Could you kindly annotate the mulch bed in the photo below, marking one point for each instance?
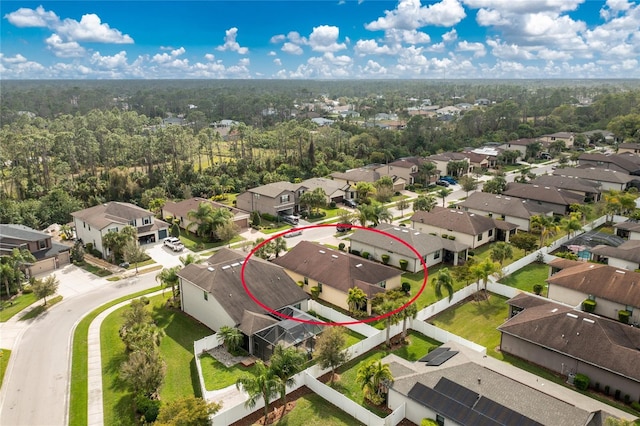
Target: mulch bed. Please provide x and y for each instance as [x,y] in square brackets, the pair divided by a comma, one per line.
[275,409]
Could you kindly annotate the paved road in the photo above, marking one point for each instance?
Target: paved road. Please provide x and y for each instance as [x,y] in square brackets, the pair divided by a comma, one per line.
[36,385]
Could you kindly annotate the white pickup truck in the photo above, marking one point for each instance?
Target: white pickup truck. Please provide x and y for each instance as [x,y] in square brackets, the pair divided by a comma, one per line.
[173,243]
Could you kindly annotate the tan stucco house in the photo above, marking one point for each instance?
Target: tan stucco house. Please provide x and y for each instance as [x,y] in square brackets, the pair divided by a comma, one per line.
[49,254]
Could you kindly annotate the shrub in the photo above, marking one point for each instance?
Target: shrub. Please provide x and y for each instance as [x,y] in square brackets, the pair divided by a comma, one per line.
[623,316]
[365,254]
[27,289]
[445,235]
[606,390]
[403,264]
[617,395]
[597,387]
[428,422]
[332,204]
[537,289]
[589,305]
[635,405]
[355,252]
[312,313]
[148,408]
[315,292]
[627,399]
[341,246]
[300,284]
[397,193]
[452,237]
[269,217]
[471,253]
[385,258]
[581,381]
[406,286]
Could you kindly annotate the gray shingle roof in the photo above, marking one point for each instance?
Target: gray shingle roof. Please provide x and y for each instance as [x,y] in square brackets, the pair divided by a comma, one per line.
[423,243]
[336,269]
[274,189]
[21,232]
[103,215]
[602,281]
[357,175]
[182,208]
[595,340]
[501,205]
[621,161]
[595,174]
[267,282]
[628,226]
[629,250]
[456,220]
[568,183]
[328,185]
[548,194]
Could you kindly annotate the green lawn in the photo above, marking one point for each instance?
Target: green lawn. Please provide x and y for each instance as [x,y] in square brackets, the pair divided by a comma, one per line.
[10,308]
[217,376]
[79,390]
[312,410]
[195,243]
[419,345]
[274,229]
[101,272]
[40,309]
[428,296]
[181,378]
[525,278]
[329,213]
[141,264]
[476,321]
[484,252]
[5,354]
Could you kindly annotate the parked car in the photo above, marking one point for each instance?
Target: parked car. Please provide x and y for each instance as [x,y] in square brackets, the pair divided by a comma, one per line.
[449,179]
[441,182]
[173,243]
[349,203]
[291,219]
[293,233]
[343,227]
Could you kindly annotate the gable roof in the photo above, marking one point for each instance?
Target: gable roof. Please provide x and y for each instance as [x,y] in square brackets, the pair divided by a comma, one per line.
[629,250]
[547,194]
[336,269]
[328,185]
[621,161]
[458,221]
[448,156]
[602,281]
[21,232]
[358,175]
[599,341]
[628,226]
[103,215]
[267,282]
[568,183]
[274,189]
[423,243]
[595,174]
[499,204]
[523,142]
[182,208]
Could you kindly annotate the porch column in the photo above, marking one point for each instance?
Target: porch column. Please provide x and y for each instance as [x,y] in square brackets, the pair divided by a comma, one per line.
[455,258]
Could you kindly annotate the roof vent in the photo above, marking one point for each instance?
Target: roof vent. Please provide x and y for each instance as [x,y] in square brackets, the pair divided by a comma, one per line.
[396,229]
[590,321]
[571,315]
[322,251]
[334,256]
[235,264]
[358,265]
[619,271]
[225,267]
[405,231]
[554,310]
[211,269]
[416,233]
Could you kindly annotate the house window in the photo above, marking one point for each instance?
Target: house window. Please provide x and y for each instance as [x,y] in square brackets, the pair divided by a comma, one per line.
[383,284]
[439,420]
[206,295]
[284,198]
[436,255]
[42,244]
[306,281]
[480,237]
[592,297]
[320,287]
[112,230]
[147,220]
[490,232]
[490,214]
[629,309]
[84,225]
[132,222]
[89,227]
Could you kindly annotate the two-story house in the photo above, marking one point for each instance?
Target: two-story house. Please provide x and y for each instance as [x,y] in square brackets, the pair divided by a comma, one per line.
[94,223]
[49,254]
[546,197]
[277,198]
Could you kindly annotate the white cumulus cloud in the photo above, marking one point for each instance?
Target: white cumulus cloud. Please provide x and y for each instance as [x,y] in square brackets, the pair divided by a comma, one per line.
[410,15]
[324,38]
[231,44]
[62,49]
[478,49]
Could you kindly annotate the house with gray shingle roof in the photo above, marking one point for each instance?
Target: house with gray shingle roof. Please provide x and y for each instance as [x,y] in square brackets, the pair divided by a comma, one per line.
[49,254]
[336,191]
[586,188]
[613,289]
[629,229]
[441,161]
[625,256]
[567,137]
[547,197]
[471,389]
[274,198]
[568,341]
[180,211]
[606,178]
[334,272]
[510,209]
[432,249]
[471,229]
[620,162]
[629,147]
[213,293]
[93,223]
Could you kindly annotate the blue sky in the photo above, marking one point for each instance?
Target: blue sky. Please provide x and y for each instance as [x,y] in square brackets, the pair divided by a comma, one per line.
[320,39]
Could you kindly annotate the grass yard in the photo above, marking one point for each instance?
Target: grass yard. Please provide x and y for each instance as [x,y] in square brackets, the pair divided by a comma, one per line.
[95,270]
[329,214]
[419,345]
[428,296]
[484,252]
[525,278]
[149,261]
[217,376]
[40,309]
[476,321]
[176,348]
[313,410]
[5,354]
[275,228]
[195,243]
[12,307]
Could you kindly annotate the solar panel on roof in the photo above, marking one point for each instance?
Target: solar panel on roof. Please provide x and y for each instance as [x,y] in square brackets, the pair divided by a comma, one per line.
[502,414]
[441,358]
[463,395]
[433,354]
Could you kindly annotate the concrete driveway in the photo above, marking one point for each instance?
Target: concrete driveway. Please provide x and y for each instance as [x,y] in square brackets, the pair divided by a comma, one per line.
[164,255]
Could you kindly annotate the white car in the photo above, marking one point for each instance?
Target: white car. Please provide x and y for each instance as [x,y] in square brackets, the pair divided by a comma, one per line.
[293,233]
[173,243]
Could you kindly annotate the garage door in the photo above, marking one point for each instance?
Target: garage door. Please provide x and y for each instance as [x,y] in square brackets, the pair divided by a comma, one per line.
[162,234]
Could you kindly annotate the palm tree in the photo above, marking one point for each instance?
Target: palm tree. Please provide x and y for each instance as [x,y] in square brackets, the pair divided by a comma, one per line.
[371,377]
[189,259]
[482,271]
[231,336]
[379,213]
[169,276]
[278,245]
[443,280]
[202,219]
[18,259]
[262,384]
[386,307]
[501,251]
[544,225]
[363,214]
[428,169]
[356,299]
[570,224]
[443,194]
[424,203]
[411,311]
[284,364]
[7,274]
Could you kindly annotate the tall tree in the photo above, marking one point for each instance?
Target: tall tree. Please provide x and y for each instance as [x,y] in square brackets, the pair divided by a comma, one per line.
[443,193]
[443,280]
[483,270]
[330,351]
[262,384]
[500,252]
[424,203]
[468,184]
[169,277]
[187,411]
[372,376]
[286,363]
[402,205]
[45,287]
[387,306]
[133,253]
[410,312]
